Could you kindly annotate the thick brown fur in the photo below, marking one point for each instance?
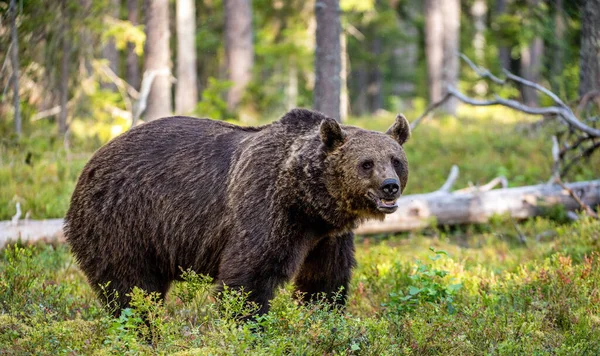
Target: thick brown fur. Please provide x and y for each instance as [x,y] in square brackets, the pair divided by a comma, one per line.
[251,207]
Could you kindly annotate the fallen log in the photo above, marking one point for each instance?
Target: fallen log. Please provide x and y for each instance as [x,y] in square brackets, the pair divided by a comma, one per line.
[30,230]
[414,212]
[445,208]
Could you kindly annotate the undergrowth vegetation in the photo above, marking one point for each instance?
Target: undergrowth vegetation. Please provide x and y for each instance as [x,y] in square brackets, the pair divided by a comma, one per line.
[468,290]
[453,292]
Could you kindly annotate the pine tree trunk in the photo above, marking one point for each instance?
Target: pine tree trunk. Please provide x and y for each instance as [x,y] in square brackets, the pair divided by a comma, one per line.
[64,71]
[375,89]
[589,56]
[158,58]
[14,60]
[344,78]
[186,89]
[434,48]
[556,67]
[326,95]
[479,13]
[132,66]
[503,51]
[451,17]
[360,103]
[109,51]
[239,49]
[291,90]
[531,64]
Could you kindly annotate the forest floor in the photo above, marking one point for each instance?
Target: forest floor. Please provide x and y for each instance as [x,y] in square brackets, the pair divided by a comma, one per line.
[465,290]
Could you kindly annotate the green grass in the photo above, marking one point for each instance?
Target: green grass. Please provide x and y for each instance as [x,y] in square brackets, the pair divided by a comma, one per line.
[444,293]
[466,290]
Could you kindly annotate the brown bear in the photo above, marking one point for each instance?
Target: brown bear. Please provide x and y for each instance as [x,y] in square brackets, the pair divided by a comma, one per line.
[252,207]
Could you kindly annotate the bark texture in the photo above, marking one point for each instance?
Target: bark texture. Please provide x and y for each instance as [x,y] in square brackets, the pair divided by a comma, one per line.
[434,47]
[503,51]
[239,49]
[531,64]
[109,50]
[132,66]
[326,95]
[64,70]
[589,58]
[418,211]
[14,61]
[186,89]
[158,58]
[451,18]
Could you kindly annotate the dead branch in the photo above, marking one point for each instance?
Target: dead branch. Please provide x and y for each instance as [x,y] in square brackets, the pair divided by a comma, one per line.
[429,109]
[452,177]
[589,211]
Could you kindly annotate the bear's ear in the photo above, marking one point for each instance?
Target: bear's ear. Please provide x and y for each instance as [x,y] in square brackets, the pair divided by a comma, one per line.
[331,133]
[400,130]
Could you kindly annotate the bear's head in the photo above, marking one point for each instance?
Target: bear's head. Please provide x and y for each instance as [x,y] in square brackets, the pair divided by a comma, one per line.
[366,171]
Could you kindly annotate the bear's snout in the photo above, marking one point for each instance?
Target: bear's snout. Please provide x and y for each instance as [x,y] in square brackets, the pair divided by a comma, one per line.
[390,188]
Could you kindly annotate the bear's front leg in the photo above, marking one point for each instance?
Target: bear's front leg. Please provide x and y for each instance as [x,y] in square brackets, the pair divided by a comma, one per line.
[327,268]
[261,268]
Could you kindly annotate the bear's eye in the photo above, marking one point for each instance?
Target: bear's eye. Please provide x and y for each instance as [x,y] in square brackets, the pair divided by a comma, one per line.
[367,165]
[396,162]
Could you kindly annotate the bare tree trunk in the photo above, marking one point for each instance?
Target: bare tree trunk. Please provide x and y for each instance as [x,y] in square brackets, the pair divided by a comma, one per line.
[360,104]
[503,51]
[375,88]
[239,49]
[186,89]
[158,58]
[434,48]
[451,18]
[326,95]
[344,79]
[559,46]
[589,56]
[479,13]
[132,66]
[291,91]
[14,60]
[64,72]
[109,51]
[531,65]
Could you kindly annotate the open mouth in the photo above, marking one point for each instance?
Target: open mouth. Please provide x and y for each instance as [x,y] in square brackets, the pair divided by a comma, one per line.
[384,205]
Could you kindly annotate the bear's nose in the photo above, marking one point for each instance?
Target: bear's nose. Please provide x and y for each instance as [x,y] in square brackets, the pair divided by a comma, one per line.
[390,186]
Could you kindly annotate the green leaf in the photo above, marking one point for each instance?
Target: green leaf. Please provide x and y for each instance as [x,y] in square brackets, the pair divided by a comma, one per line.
[413,290]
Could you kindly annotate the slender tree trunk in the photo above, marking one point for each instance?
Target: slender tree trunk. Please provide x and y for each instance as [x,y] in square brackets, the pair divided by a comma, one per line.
[326,95]
[360,104]
[531,64]
[434,48]
[64,72]
[158,58]
[132,66]
[375,89]
[186,89]
[239,49]
[479,12]
[556,68]
[14,60]
[503,51]
[589,56]
[109,51]
[291,91]
[344,78]
[451,66]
